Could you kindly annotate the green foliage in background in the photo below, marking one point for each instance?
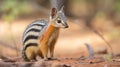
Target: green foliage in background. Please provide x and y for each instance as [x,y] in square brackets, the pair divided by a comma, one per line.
[12,8]
[77,1]
[117,5]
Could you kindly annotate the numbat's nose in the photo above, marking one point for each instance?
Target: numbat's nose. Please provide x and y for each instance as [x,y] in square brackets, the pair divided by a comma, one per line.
[66,26]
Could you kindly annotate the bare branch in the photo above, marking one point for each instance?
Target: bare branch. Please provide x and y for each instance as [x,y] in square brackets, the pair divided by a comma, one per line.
[101,36]
[8,45]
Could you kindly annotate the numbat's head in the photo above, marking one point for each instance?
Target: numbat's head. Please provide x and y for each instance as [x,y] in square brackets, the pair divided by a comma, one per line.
[57,18]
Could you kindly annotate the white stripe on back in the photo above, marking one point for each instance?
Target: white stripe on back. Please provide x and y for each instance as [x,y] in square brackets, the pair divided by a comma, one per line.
[31,41]
[33,27]
[30,33]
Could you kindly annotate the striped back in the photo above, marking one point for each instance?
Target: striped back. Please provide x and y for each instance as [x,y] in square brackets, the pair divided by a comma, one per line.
[33,32]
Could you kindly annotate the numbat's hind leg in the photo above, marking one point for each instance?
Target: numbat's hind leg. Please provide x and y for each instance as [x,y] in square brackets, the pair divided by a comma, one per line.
[30,53]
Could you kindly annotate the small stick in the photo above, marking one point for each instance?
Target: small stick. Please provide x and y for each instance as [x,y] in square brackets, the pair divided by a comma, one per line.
[101,36]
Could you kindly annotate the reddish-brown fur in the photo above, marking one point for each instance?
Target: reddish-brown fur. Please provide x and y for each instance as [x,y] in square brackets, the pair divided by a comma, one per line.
[45,45]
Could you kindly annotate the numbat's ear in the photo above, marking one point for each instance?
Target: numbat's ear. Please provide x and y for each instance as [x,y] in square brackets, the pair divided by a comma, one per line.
[62,9]
[53,12]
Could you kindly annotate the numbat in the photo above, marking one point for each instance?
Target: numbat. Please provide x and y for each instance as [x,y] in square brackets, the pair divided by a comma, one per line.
[40,37]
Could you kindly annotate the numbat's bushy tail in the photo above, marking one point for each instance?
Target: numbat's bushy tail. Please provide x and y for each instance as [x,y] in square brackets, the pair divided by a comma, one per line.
[41,36]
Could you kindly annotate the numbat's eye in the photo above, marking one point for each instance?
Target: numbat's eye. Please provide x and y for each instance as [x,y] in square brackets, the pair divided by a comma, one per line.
[59,21]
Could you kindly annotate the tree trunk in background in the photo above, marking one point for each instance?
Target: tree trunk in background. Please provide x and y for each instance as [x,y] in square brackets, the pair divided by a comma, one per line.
[86,10]
[90,9]
[106,6]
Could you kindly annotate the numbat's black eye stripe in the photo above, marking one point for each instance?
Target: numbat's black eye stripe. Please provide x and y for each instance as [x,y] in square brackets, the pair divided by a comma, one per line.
[59,21]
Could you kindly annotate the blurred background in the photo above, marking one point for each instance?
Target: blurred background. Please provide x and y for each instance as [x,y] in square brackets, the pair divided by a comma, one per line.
[85,18]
